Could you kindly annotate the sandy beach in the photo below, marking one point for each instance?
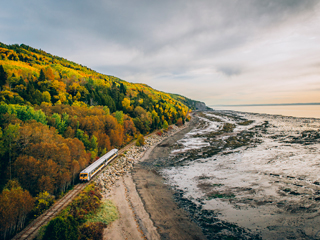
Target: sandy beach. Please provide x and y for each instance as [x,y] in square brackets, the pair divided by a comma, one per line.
[146,206]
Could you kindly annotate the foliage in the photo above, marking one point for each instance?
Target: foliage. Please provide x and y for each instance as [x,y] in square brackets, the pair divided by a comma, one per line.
[42,202]
[179,122]
[62,228]
[119,116]
[23,113]
[84,218]
[3,76]
[92,230]
[159,133]
[106,213]
[87,202]
[140,140]
[165,125]
[15,203]
[228,127]
[57,116]
[246,123]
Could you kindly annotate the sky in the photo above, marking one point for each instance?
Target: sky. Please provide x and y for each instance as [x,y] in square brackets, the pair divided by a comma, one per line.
[219,52]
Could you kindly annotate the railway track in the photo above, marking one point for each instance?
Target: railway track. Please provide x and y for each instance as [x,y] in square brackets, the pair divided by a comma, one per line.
[31,231]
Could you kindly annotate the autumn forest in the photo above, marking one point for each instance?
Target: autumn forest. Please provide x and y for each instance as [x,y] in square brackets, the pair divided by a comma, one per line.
[57,117]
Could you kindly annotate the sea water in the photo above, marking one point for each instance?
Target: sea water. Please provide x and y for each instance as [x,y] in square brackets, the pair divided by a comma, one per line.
[306,111]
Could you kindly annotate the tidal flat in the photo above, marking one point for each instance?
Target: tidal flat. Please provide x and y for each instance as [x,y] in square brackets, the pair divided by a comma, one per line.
[245,175]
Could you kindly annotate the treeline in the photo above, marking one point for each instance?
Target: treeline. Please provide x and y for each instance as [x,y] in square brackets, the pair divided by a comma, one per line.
[57,117]
[46,147]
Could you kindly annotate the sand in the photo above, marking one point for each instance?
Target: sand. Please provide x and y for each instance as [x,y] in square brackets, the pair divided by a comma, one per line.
[134,221]
[146,206]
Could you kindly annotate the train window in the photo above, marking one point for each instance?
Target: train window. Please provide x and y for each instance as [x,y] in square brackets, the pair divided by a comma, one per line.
[83,175]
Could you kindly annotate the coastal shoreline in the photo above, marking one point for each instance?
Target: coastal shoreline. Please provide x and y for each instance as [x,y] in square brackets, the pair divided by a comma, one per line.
[146,206]
[241,185]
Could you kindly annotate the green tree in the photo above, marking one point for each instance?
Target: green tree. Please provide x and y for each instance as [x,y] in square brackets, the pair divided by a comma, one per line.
[11,133]
[140,140]
[3,76]
[42,77]
[43,201]
[119,116]
[59,124]
[106,110]
[2,149]
[40,116]
[82,136]
[165,124]
[46,97]
[94,143]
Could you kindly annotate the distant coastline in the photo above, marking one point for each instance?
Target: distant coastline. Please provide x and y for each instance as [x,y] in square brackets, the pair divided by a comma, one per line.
[306,110]
[265,104]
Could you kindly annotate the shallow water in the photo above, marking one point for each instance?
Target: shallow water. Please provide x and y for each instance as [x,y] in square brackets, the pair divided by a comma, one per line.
[309,111]
[261,181]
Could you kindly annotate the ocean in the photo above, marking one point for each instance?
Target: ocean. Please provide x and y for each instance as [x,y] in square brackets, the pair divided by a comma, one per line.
[306,111]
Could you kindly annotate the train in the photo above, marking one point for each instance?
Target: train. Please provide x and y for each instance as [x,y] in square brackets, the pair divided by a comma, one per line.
[94,168]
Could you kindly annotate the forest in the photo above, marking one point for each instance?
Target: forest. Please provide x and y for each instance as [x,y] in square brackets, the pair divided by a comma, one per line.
[57,117]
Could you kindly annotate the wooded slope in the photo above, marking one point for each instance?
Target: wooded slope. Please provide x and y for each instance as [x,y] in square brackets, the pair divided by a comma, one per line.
[57,116]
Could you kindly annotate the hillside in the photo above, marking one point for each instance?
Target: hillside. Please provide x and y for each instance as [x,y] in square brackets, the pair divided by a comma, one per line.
[57,116]
[63,79]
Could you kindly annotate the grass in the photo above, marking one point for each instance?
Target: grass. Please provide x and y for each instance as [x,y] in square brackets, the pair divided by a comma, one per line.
[228,127]
[246,123]
[107,213]
[220,195]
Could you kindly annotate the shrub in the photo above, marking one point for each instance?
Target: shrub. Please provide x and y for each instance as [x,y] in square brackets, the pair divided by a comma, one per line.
[179,122]
[140,140]
[228,127]
[43,201]
[85,203]
[84,218]
[106,213]
[61,228]
[91,230]
[246,123]
[165,125]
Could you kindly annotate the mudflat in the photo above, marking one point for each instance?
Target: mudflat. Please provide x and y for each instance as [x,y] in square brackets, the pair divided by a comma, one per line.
[146,205]
[171,221]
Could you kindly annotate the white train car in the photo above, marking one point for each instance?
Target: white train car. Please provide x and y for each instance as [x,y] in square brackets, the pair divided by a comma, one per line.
[90,171]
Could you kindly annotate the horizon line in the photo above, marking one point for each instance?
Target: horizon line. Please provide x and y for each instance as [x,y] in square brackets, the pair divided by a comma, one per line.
[263,104]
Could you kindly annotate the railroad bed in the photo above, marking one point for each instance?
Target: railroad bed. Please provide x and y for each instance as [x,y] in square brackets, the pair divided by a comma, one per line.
[31,230]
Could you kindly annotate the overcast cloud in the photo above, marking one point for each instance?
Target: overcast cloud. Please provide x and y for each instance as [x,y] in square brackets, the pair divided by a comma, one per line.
[219,52]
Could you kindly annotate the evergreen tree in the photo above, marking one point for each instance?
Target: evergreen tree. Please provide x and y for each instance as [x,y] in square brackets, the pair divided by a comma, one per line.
[3,76]
[42,77]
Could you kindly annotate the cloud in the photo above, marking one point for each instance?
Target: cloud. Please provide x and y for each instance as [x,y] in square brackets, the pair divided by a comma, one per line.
[199,48]
[229,70]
